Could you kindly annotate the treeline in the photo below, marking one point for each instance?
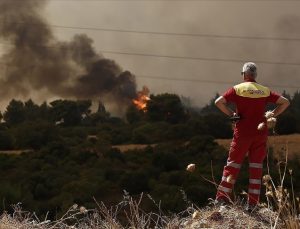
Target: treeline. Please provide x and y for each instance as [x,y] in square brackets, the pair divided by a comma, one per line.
[30,126]
[27,125]
[71,158]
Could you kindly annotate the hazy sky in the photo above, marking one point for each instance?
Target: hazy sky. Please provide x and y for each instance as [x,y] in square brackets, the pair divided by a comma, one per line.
[209,58]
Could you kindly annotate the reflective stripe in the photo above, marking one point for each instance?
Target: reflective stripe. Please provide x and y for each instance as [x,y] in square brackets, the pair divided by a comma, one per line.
[234,165]
[256,165]
[254,181]
[254,191]
[232,181]
[228,190]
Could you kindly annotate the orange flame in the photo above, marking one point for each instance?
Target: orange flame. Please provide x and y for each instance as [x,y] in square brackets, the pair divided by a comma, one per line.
[142,98]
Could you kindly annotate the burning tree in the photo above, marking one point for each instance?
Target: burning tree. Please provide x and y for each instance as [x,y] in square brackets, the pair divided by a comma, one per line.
[166,107]
[142,99]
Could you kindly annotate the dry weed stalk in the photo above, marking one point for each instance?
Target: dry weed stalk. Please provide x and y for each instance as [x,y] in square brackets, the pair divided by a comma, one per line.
[280,199]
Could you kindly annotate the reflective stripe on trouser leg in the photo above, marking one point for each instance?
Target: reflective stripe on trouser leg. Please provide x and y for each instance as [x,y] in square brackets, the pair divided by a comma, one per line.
[224,189]
[254,181]
[224,192]
[228,179]
[253,195]
[233,164]
[256,165]
[257,154]
[227,182]
[254,191]
[254,184]
[238,149]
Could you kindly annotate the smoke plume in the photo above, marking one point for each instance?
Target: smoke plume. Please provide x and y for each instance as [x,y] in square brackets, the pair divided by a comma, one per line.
[35,61]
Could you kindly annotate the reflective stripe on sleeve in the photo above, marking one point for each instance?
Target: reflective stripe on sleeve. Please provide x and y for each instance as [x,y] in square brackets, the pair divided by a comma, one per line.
[256,165]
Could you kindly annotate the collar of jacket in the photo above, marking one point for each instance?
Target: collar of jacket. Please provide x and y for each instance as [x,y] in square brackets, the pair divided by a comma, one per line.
[250,80]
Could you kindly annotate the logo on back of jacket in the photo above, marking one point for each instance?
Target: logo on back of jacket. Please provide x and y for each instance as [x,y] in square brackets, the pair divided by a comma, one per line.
[251,90]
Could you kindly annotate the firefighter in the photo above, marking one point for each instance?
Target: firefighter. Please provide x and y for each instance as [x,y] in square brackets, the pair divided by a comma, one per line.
[250,99]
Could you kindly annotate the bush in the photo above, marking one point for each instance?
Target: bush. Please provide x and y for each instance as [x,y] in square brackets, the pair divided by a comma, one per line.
[7,141]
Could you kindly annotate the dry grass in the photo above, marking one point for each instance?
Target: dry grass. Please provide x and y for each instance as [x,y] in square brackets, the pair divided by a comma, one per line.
[107,218]
[278,143]
[134,217]
[124,148]
[15,152]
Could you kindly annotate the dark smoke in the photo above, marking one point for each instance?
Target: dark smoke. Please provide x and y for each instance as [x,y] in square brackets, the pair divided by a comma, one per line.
[37,61]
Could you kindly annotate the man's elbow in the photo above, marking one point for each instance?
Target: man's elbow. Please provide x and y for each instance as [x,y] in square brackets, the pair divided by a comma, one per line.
[286,102]
[219,101]
[282,101]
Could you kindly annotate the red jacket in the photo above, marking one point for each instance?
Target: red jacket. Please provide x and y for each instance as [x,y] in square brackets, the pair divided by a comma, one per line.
[250,99]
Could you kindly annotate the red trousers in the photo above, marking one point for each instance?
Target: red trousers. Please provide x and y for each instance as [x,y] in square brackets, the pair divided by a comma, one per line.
[255,146]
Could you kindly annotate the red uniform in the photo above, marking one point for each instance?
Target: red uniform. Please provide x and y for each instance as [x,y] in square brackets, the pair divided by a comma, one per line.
[250,99]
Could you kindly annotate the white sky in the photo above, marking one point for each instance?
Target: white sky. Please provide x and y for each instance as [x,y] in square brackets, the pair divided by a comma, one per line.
[232,18]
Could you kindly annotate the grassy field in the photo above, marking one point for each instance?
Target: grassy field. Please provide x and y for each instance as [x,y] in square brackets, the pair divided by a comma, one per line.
[279,143]
[14,152]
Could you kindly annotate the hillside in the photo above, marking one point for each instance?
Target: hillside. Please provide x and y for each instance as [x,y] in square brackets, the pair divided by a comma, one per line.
[72,159]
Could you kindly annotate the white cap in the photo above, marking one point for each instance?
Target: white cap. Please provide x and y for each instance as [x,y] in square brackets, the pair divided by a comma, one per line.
[250,67]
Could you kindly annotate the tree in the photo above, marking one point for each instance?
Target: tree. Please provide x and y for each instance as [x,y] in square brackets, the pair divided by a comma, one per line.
[211,107]
[69,113]
[100,116]
[286,124]
[166,107]
[6,140]
[15,113]
[133,115]
[34,134]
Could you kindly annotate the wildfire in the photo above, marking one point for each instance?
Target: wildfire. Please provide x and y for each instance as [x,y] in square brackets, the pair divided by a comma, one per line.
[142,97]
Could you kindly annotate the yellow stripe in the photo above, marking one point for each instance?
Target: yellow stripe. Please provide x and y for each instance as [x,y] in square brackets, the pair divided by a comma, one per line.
[251,90]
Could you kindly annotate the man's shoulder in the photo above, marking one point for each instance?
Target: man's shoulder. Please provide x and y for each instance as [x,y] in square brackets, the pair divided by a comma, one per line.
[252,90]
